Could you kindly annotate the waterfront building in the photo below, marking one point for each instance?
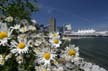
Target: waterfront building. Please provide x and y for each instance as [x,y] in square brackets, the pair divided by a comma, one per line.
[52,24]
[86,31]
[67,28]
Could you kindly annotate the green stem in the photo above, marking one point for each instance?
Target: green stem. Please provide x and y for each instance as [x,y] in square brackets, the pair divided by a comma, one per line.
[64,43]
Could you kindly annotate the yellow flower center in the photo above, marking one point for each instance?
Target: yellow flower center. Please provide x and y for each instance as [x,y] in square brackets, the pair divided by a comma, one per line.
[21,45]
[47,55]
[3,35]
[71,52]
[56,41]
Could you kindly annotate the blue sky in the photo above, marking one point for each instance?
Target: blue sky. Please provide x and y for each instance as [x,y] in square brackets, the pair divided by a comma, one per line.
[82,14]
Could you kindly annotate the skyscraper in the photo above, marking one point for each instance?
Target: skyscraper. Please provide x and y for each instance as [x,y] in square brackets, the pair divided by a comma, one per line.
[52,24]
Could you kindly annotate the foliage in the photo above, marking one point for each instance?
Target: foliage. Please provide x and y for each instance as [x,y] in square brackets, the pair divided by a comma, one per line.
[20,9]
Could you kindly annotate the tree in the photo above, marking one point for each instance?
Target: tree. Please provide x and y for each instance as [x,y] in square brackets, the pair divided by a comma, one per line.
[20,9]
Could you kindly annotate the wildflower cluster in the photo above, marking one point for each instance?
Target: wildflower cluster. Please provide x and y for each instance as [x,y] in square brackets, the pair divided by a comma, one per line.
[24,49]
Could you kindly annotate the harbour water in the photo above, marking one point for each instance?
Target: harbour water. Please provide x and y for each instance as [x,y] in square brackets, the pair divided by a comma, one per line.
[93,50]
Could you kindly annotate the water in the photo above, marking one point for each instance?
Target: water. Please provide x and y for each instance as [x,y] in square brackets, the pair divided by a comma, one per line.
[94,50]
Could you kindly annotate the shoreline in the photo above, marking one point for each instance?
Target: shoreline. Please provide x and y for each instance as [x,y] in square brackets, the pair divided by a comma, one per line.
[87,65]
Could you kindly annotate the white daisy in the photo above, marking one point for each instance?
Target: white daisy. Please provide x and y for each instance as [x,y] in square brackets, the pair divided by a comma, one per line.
[2,61]
[23,29]
[71,53]
[38,42]
[8,56]
[17,26]
[54,35]
[9,19]
[58,69]
[4,33]
[41,68]
[21,47]
[20,59]
[31,28]
[33,21]
[45,56]
[55,42]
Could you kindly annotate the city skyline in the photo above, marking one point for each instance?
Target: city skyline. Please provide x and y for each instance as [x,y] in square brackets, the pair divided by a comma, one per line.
[81,14]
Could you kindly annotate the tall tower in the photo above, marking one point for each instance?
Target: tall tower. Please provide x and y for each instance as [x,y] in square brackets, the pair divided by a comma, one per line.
[52,24]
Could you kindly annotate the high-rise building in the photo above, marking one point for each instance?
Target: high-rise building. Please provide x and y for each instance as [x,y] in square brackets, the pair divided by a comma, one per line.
[52,24]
